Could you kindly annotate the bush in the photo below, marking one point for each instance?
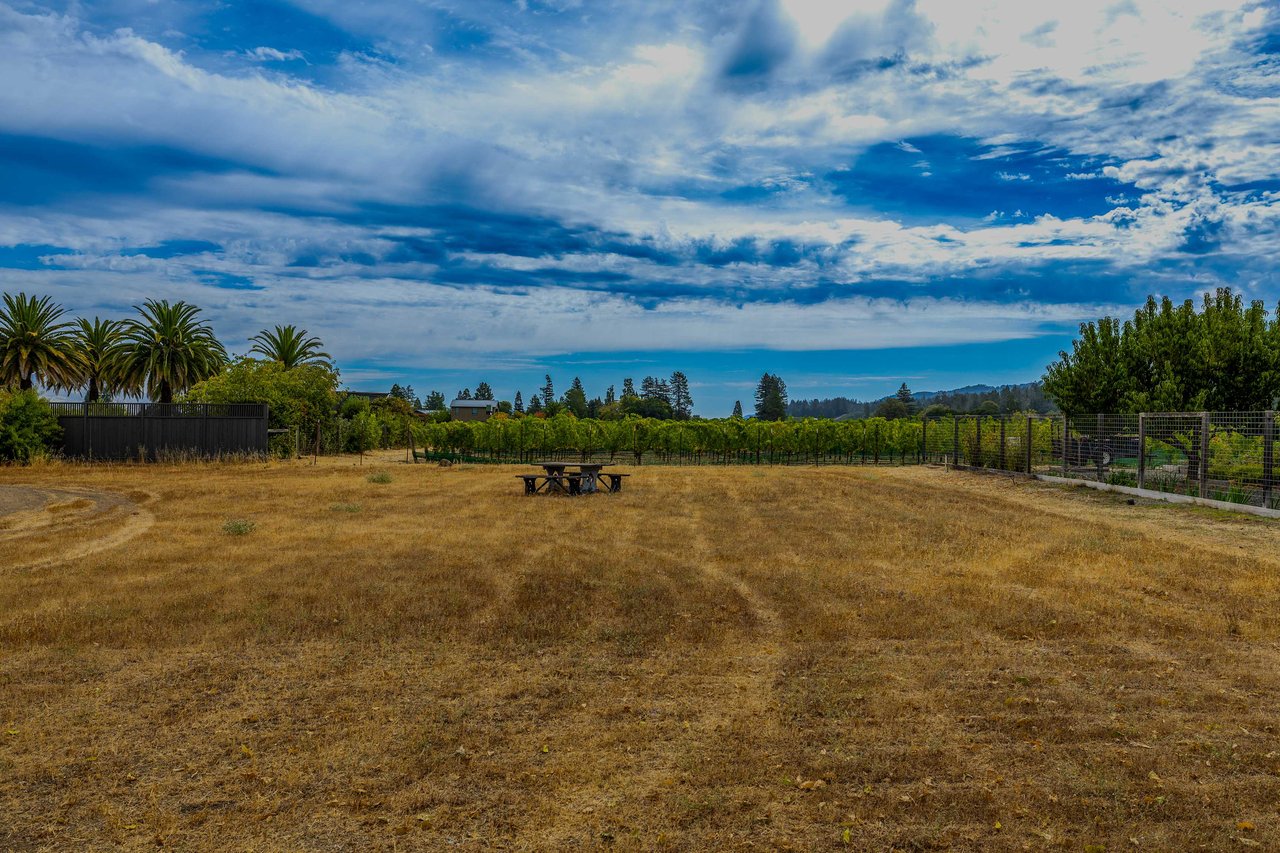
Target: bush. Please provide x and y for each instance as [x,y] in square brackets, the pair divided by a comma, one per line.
[28,427]
[238,527]
[380,477]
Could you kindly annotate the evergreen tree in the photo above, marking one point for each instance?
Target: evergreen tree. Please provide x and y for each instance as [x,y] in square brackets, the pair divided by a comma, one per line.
[464,394]
[435,402]
[576,398]
[548,391]
[771,398]
[628,388]
[484,392]
[519,403]
[737,408]
[609,397]
[905,397]
[535,405]
[681,400]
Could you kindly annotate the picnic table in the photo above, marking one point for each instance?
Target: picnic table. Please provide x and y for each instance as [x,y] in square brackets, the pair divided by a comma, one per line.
[557,479]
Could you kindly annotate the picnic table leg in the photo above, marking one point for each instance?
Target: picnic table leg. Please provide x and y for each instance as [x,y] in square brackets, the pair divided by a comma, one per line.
[530,487]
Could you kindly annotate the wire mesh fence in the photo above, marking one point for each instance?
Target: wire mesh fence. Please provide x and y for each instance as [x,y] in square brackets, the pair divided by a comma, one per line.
[1225,456]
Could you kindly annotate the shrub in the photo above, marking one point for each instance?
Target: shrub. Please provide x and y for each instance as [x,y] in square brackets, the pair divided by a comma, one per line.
[380,477]
[28,427]
[238,527]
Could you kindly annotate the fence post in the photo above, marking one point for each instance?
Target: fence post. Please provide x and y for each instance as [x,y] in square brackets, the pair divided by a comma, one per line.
[1066,432]
[1029,430]
[1142,450]
[1004,463]
[955,441]
[1204,454]
[1268,454]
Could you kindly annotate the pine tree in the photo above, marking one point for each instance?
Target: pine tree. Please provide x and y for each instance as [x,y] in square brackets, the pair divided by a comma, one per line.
[905,397]
[628,388]
[681,400]
[576,398]
[609,397]
[484,392]
[535,405]
[771,398]
[435,402]
[464,394]
[548,391]
[737,408]
[519,403]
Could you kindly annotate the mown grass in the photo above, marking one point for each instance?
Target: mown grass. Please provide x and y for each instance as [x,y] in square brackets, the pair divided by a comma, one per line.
[714,659]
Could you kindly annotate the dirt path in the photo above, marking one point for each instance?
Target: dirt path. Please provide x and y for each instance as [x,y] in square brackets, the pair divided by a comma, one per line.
[42,527]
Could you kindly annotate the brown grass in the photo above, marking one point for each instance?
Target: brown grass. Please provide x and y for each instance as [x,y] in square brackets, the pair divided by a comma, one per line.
[716,659]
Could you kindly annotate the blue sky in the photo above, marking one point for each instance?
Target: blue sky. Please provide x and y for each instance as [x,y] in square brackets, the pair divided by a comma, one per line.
[850,194]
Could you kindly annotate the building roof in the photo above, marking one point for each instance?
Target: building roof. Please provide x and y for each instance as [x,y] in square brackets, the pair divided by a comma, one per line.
[474,404]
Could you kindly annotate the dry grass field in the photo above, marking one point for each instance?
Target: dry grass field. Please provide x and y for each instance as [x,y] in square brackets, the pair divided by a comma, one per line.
[716,659]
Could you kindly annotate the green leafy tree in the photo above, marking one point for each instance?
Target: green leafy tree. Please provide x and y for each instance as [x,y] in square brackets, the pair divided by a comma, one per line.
[298,399]
[893,409]
[28,426]
[290,346]
[36,345]
[365,433]
[1172,358]
[1092,377]
[167,349]
[771,398]
[101,363]
[435,402]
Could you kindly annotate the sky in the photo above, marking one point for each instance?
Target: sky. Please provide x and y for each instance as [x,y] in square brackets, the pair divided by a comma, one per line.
[848,193]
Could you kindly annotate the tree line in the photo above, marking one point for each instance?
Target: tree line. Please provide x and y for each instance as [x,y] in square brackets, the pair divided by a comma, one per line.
[1001,399]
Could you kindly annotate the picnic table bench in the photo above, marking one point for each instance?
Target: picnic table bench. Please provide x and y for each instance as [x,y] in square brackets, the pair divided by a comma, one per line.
[586,480]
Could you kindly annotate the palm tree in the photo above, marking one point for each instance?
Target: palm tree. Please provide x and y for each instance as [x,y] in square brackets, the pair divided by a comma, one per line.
[290,346]
[34,345]
[168,350]
[100,345]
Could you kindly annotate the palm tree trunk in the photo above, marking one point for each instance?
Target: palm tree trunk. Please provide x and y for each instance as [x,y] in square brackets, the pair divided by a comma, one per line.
[92,395]
[166,391]
[24,384]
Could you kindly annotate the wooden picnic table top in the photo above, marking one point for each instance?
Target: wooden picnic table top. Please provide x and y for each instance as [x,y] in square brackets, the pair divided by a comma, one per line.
[560,466]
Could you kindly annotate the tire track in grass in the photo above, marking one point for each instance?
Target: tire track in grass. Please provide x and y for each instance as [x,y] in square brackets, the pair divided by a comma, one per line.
[749,714]
[69,513]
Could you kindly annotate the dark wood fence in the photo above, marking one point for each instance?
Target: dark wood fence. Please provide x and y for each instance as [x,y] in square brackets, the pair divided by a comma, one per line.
[156,430]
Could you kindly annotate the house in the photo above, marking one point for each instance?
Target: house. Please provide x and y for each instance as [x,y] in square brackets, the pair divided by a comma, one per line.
[472,410]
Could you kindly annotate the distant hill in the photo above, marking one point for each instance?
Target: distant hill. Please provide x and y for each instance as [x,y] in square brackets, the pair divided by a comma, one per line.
[1011,398]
